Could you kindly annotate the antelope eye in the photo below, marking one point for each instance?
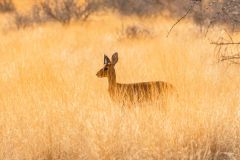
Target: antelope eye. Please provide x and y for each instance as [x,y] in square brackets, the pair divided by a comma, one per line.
[105,69]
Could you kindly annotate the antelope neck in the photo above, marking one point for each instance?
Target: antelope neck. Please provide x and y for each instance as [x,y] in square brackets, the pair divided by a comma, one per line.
[112,80]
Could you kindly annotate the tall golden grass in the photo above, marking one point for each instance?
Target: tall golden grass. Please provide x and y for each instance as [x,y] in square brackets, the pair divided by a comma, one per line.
[52,105]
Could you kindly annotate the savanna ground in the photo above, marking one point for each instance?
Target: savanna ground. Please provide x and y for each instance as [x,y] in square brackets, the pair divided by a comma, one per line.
[52,105]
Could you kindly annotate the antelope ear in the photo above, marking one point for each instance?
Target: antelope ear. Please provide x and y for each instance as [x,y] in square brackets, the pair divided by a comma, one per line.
[114,58]
[106,59]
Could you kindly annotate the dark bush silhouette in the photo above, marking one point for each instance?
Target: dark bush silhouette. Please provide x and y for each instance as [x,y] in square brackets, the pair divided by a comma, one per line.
[22,21]
[211,12]
[134,31]
[133,7]
[6,6]
[226,12]
[63,11]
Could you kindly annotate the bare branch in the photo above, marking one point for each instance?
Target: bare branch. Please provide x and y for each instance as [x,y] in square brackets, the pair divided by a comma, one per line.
[188,11]
[234,59]
[230,37]
[222,43]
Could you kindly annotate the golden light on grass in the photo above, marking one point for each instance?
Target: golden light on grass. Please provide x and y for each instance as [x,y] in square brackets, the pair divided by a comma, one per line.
[52,105]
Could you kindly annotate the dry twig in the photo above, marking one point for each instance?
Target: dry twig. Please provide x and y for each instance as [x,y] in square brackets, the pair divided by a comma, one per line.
[188,11]
[227,50]
[227,43]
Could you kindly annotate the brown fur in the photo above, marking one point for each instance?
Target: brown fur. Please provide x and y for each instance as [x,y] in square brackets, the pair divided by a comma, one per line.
[135,92]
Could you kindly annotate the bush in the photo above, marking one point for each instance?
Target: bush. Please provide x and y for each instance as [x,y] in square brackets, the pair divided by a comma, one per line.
[226,12]
[7,6]
[134,32]
[133,7]
[62,11]
[22,21]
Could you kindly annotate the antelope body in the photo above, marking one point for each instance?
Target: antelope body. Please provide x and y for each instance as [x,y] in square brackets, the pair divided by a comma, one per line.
[135,92]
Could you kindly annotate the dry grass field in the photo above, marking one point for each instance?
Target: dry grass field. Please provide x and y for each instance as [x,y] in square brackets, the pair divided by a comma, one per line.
[53,107]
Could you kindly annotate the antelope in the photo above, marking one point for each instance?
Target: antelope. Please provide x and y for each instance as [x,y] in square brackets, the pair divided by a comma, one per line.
[134,92]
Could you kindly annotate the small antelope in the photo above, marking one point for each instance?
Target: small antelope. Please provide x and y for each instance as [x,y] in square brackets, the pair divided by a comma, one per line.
[135,92]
